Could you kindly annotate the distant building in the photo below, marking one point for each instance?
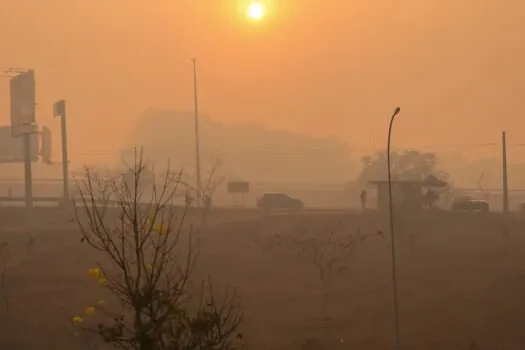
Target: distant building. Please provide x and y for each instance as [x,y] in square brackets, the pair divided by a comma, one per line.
[405,193]
[250,152]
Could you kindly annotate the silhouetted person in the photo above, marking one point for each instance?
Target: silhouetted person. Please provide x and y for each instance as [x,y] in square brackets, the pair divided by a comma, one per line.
[363,199]
[430,198]
[188,200]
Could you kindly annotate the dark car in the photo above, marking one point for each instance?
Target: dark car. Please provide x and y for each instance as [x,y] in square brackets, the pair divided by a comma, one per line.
[468,203]
[279,201]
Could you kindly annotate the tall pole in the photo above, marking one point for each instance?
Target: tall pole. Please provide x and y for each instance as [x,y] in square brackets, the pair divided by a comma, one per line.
[504,173]
[60,111]
[65,161]
[28,176]
[392,236]
[197,142]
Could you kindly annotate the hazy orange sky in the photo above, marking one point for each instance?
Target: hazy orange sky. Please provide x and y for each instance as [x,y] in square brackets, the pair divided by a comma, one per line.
[335,67]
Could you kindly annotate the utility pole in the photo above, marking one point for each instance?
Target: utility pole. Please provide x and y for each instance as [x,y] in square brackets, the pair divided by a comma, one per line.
[60,111]
[505,179]
[197,141]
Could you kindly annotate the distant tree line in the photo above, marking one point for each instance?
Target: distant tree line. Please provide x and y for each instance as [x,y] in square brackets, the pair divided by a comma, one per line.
[406,165]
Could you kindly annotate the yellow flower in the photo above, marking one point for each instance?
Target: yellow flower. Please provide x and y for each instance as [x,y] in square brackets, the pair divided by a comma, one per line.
[160,229]
[95,272]
[149,266]
[89,310]
[77,319]
[100,302]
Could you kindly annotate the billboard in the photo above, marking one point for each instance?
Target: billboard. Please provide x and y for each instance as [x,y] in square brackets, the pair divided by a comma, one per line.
[22,93]
[46,145]
[12,148]
[238,187]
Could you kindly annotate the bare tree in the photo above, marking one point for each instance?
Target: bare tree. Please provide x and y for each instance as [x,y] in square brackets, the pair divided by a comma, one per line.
[148,268]
[328,250]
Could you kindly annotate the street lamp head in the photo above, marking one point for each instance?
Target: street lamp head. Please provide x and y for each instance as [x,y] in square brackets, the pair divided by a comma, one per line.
[396,111]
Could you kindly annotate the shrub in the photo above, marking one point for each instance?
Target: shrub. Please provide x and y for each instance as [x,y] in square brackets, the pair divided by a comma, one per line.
[329,251]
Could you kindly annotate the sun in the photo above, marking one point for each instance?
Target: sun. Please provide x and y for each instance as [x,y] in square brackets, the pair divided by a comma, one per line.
[256,11]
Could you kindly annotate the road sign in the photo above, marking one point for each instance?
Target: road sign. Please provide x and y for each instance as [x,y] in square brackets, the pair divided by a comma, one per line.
[12,148]
[22,93]
[238,187]
[23,129]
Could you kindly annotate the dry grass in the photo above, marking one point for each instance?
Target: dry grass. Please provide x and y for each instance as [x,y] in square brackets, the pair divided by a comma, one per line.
[462,285]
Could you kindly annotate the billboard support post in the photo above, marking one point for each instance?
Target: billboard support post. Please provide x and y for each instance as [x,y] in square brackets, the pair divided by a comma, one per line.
[60,111]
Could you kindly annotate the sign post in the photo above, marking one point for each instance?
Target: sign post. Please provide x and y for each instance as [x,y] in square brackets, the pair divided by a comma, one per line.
[59,109]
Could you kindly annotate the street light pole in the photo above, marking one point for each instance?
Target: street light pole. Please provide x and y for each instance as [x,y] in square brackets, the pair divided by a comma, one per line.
[197,142]
[392,236]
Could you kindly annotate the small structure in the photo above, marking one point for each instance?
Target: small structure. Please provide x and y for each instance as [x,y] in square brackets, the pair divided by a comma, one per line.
[406,193]
[238,187]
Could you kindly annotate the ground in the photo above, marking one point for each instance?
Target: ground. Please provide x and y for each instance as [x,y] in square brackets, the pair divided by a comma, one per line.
[462,282]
